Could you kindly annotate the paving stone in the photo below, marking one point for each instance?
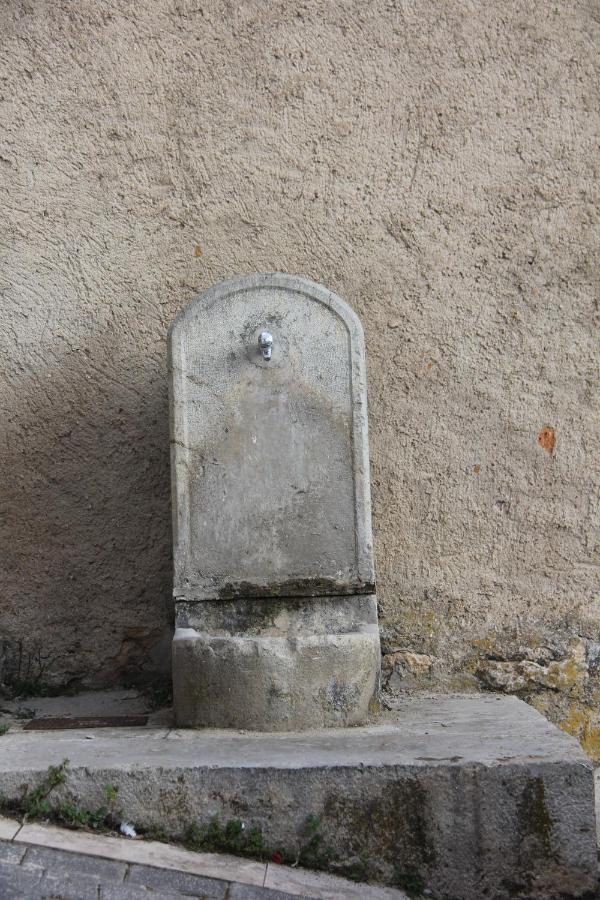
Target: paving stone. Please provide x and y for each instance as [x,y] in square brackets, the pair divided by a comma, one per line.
[112,891]
[11,853]
[250,892]
[15,891]
[69,885]
[17,883]
[54,860]
[9,868]
[177,881]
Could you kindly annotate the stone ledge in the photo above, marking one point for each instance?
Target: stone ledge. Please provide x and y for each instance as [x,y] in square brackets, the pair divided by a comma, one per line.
[467,797]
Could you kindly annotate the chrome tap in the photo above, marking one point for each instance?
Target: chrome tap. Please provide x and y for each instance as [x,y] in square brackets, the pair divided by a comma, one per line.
[265,342]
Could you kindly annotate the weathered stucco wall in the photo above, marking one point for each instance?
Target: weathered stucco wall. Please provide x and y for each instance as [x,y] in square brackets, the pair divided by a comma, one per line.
[436,164]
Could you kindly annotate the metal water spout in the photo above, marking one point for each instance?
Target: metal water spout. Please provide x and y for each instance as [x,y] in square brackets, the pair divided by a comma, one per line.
[265,342]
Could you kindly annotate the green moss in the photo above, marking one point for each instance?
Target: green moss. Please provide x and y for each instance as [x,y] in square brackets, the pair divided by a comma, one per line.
[409,880]
[356,871]
[379,844]
[154,833]
[580,722]
[313,853]
[535,816]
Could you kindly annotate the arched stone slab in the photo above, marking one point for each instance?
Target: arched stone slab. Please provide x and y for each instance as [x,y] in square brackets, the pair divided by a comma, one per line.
[270,461]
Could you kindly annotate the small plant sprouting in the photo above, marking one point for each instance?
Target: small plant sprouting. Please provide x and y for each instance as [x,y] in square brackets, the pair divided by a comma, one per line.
[231,838]
[312,825]
[35,804]
[75,816]
[312,853]
[111,792]
[71,814]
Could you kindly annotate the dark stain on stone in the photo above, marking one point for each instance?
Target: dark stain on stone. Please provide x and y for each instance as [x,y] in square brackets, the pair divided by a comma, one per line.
[296,587]
[380,837]
[533,812]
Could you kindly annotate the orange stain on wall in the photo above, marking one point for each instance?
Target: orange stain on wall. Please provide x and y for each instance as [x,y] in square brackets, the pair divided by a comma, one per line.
[547,439]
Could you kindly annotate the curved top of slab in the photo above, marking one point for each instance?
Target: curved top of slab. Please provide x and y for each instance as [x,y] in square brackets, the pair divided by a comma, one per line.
[273,280]
[270,466]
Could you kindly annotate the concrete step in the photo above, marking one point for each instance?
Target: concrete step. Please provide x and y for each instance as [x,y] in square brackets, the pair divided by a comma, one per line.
[464,797]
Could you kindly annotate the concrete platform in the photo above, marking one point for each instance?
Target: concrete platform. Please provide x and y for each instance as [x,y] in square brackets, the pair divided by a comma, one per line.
[463,797]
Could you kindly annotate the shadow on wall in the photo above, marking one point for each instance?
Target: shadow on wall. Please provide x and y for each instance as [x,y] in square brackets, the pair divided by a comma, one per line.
[85,523]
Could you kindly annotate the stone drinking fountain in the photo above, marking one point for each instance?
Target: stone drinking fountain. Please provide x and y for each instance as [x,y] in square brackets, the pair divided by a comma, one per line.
[276,613]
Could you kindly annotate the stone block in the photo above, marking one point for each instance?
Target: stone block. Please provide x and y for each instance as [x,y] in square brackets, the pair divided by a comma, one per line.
[557,675]
[279,617]
[276,665]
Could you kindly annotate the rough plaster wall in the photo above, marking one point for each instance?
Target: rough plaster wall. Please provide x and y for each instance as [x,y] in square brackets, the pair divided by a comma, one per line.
[434,163]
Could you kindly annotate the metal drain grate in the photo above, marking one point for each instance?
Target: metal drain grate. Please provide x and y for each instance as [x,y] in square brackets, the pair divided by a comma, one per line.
[54,723]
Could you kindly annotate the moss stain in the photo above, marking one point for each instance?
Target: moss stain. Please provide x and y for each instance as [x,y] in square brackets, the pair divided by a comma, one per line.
[535,815]
[578,723]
